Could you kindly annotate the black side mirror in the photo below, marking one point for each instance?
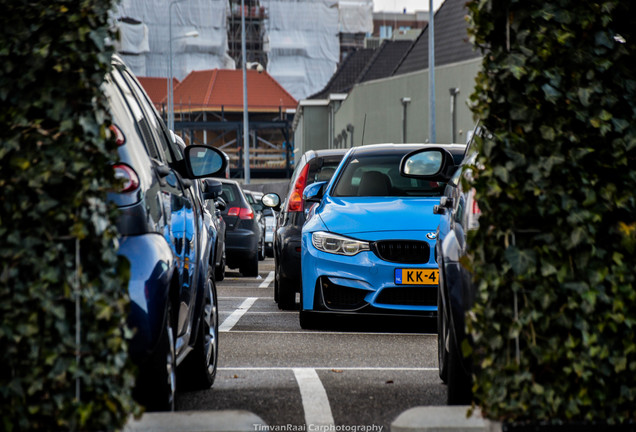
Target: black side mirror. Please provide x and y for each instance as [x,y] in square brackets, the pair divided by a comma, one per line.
[211,189]
[204,161]
[431,163]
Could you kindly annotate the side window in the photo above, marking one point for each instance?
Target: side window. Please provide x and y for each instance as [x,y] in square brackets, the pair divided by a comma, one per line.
[228,194]
[153,120]
[324,172]
[455,178]
[162,129]
[140,118]
[459,211]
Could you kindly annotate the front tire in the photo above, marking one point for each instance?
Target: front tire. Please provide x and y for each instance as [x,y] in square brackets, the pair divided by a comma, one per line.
[250,268]
[459,382]
[261,249]
[157,384]
[219,271]
[309,320]
[286,293]
[198,370]
[442,339]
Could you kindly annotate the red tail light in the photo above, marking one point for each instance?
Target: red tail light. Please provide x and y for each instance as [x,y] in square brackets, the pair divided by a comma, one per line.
[476,210]
[473,216]
[296,197]
[241,212]
[128,176]
[120,138]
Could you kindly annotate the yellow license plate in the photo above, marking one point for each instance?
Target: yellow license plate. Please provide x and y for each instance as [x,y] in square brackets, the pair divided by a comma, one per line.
[416,276]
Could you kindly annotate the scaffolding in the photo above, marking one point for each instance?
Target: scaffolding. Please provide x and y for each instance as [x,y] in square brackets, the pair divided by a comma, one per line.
[255,16]
[297,41]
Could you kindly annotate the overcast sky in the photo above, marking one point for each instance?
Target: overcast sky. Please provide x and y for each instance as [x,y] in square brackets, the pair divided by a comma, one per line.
[399,5]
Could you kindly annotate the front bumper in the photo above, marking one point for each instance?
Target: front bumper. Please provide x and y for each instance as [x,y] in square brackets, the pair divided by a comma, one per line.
[362,284]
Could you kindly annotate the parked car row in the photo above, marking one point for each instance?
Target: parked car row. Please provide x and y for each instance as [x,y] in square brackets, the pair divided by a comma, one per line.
[170,241]
[376,230]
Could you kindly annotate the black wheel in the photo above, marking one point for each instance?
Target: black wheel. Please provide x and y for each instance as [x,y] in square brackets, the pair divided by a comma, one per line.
[459,381]
[157,383]
[269,252]
[219,271]
[286,297]
[308,320]
[276,289]
[442,339]
[198,370]
[250,268]
[261,249]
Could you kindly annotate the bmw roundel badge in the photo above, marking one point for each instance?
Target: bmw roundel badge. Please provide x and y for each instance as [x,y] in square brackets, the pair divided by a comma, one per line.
[431,236]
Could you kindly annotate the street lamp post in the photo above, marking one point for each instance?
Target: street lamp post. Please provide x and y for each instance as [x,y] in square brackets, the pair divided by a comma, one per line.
[246,128]
[431,73]
[170,75]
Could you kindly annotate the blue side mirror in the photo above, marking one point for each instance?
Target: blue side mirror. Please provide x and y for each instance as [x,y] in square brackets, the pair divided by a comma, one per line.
[314,192]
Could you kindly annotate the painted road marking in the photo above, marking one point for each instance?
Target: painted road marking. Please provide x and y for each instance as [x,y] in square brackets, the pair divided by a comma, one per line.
[268,280]
[314,397]
[237,314]
[338,368]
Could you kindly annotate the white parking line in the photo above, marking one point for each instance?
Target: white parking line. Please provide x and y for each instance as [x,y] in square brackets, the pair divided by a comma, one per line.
[268,280]
[314,396]
[237,314]
[337,368]
[338,333]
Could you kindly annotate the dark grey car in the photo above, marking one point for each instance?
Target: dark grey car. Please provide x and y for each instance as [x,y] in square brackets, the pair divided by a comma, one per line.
[242,235]
[459,214]
[313,166]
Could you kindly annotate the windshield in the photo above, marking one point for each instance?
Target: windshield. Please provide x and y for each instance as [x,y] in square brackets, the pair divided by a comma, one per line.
[379,175]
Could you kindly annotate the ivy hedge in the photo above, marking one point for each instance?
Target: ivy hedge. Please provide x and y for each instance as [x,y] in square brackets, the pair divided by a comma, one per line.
[57,236]
[554,258]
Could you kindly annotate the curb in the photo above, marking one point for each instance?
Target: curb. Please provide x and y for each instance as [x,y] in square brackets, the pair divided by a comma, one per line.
[195,421]
[442,419]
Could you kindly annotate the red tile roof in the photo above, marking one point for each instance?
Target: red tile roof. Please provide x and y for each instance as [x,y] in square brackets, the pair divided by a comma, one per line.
[157,88]
[216,89]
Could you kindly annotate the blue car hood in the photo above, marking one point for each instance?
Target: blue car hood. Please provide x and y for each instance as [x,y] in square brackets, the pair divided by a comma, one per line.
[355,215]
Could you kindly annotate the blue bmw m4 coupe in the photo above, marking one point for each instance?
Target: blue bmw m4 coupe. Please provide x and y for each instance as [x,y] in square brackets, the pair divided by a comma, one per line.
[368,245]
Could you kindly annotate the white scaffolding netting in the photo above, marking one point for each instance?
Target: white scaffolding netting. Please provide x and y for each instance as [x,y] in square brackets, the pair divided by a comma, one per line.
[356,16]
[303,45]
[301,37]
[208,50]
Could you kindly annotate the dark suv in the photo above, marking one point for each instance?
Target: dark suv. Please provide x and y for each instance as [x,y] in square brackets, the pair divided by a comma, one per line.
[459,214]
[243,233]
[172,292]
[313,166]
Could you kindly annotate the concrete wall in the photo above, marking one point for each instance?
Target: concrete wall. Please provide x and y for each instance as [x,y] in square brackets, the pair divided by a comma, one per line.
[380,102]
[311,133]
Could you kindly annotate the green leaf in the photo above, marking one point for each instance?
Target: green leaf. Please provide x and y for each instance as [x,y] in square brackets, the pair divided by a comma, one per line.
[520,260]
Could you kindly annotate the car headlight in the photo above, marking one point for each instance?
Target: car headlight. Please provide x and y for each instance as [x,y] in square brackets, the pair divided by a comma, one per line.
[337,244]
